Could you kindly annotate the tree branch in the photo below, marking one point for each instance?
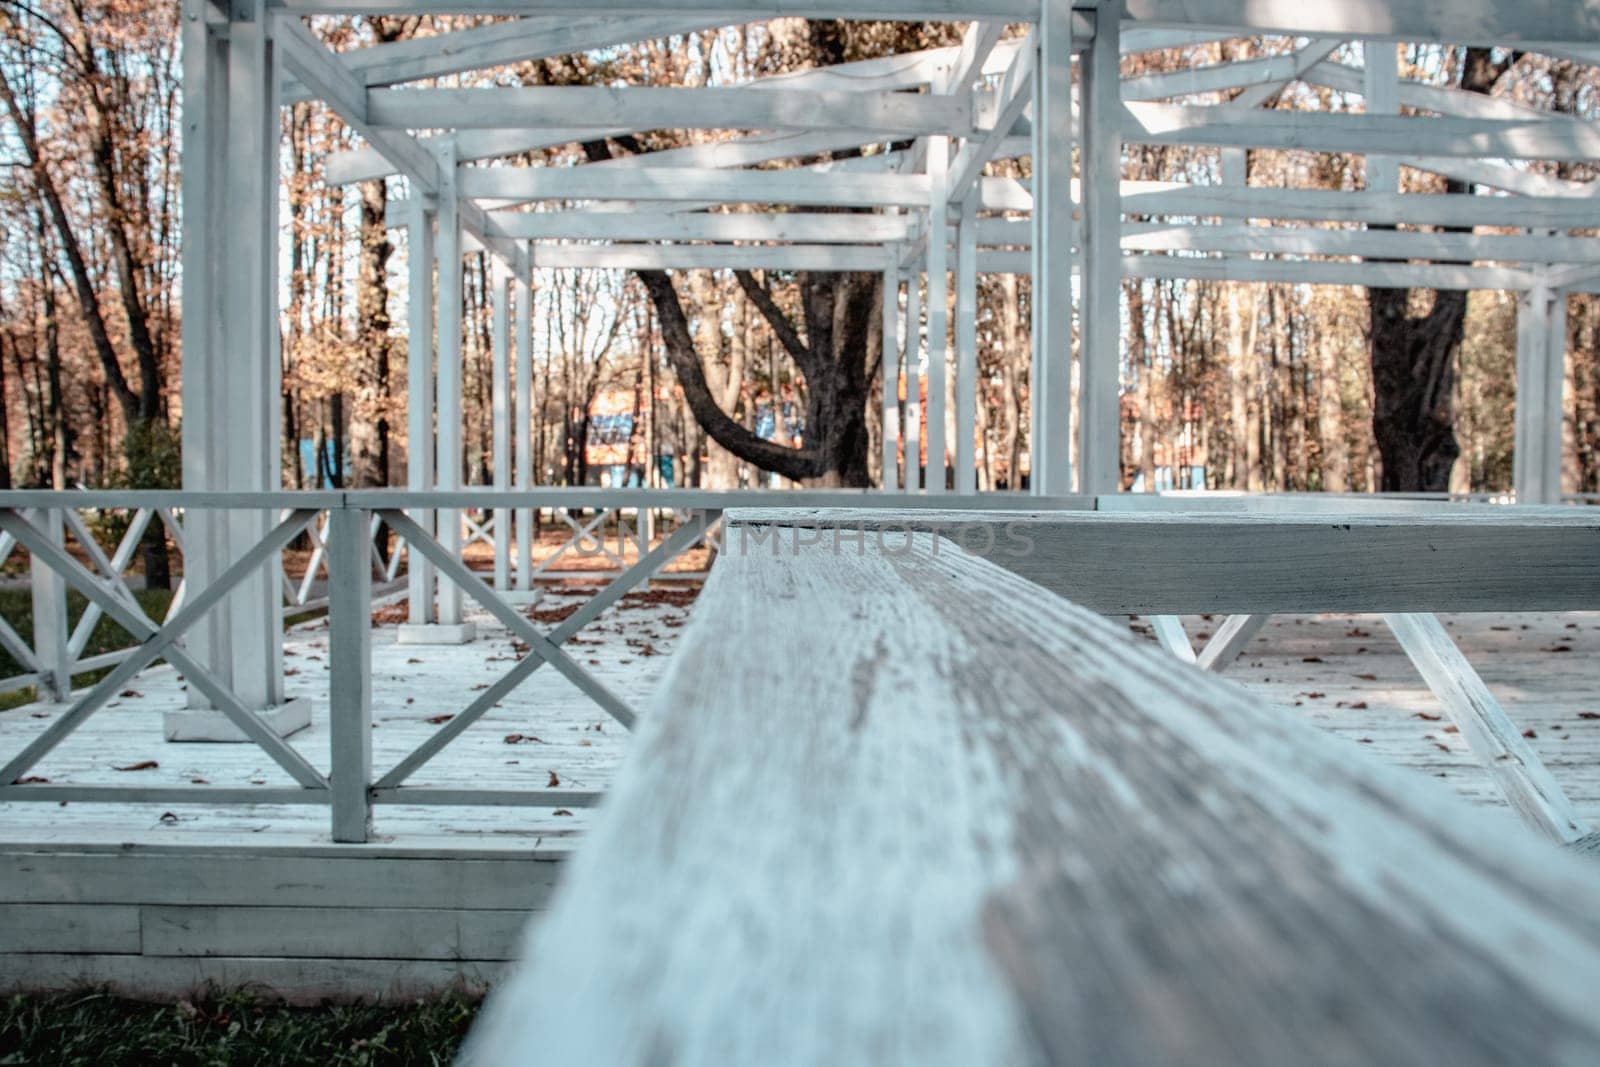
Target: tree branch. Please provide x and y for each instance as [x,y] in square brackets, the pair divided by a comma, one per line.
[781,327]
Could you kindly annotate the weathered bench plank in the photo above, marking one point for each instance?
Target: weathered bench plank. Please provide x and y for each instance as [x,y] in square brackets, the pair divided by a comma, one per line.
[913,809]
[1458,559]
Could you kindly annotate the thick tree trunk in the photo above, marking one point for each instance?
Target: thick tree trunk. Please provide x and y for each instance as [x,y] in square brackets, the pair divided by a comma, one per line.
[369,428]
[1414,357]
[1413,381]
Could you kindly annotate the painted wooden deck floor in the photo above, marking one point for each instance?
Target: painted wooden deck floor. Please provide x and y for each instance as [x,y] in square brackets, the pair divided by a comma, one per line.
[1344,673]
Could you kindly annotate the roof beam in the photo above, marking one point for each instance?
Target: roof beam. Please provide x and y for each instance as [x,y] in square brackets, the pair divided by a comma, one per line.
[365,164]
[1150,123]
[793,226]
[1010,100]
[1319,241]
[516,41]
[831,189]
[725,11]
[908,70]
[651,108]
[1338,205]
[1385,244]
[1500,176]
[318,67]
[711,257]
[1296,271]
[1271,72]
[1445,99]
[977,44]
[1458,21]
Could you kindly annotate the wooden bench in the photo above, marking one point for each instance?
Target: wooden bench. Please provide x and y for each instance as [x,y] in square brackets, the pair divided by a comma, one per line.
[905,806]
[1403,559]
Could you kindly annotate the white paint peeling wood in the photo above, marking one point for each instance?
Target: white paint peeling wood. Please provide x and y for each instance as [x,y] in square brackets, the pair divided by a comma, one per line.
[954,819]
[1119,563]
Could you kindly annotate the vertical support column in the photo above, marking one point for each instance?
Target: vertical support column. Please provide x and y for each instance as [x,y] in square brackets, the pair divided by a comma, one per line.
[500,418]
[350,680]
[250,332]
[1541,379]
[1051,386]
[966,470]
[1381,86]
[419,396]
[447,478]
[913,361]
[1100,317]
[938,308]
[50,631]
[891,371]
[205,132]
[231,366]
[523,421]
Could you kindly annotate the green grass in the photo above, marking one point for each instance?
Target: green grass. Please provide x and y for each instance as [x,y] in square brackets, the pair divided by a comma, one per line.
[16,606]
[229,1028]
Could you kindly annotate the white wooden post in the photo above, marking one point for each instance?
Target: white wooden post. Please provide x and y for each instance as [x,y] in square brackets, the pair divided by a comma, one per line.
[350,680]
[891,371]
[447,255]
[419,397]
[966,333]
[938,308]
[500,417]
[523,421]
[1051,445]
[1541,377]
[1381,86]
[49,598]
[205,131]
[913,361]
[231,365]
[1100,320]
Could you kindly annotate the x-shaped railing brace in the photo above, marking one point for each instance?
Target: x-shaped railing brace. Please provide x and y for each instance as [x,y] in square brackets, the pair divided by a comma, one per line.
[542,648]
[157,641]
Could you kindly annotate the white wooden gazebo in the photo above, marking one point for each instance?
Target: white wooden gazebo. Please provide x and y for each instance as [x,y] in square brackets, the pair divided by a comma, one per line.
[339,910]
[993,97]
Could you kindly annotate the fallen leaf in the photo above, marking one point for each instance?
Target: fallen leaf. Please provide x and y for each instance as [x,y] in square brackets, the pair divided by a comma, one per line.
[554,781]
[130,693]
[561,811]
[33,779]
[142,765]
[1367,677]
[169,817]
[1529,733]
[198,781]
[1589,714]
[1426,717]
[516,739]
[1310,659]
[1360,705]
[437,719]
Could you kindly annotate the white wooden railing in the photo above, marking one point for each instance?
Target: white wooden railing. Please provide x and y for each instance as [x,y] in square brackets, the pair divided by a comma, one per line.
[627,537]
[623,537]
